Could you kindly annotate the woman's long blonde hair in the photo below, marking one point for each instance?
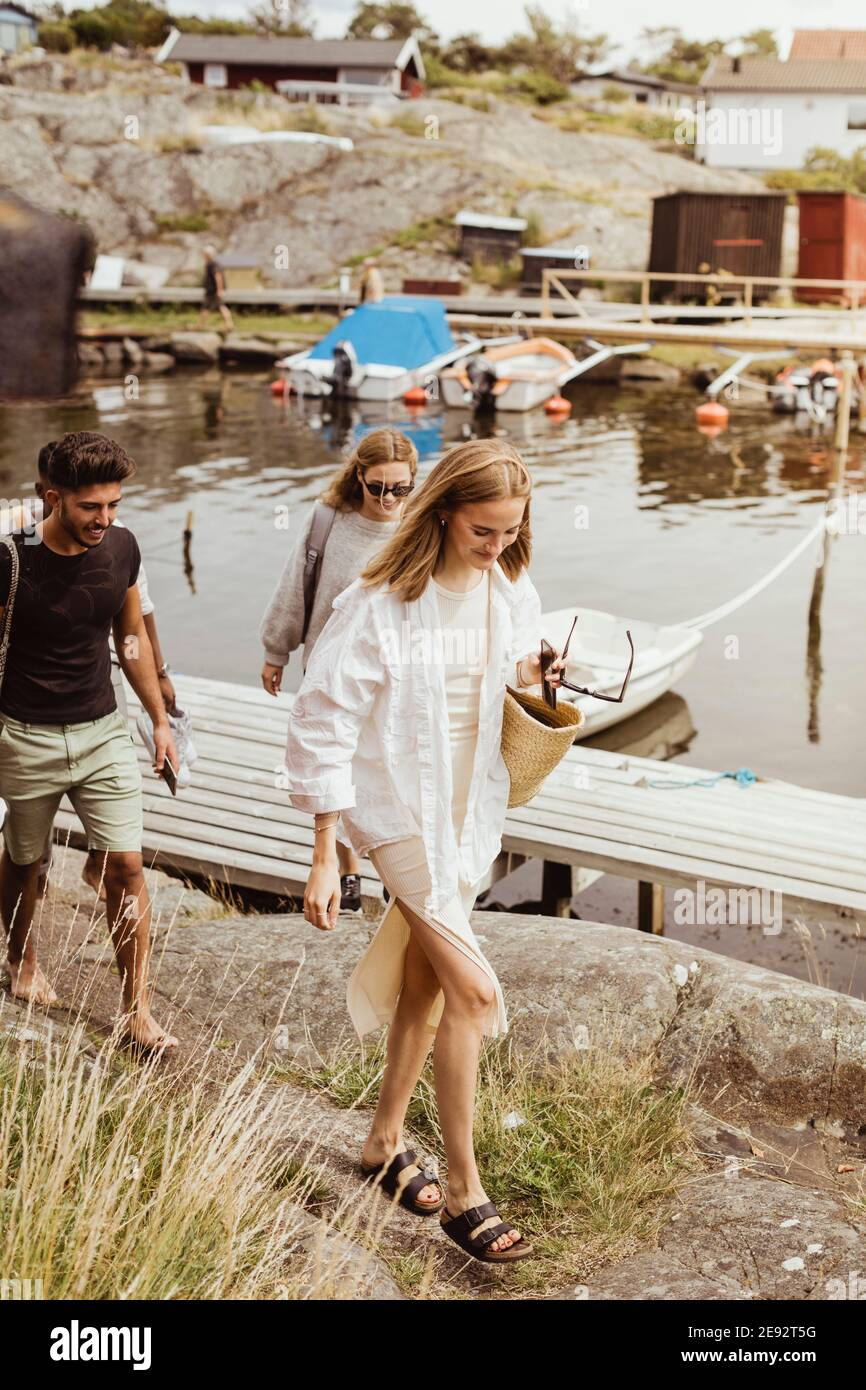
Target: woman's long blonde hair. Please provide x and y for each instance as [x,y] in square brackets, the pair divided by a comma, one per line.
[344,492]
[482,470]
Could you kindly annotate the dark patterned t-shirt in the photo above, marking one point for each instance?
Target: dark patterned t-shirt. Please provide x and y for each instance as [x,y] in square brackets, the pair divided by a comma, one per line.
[58,669]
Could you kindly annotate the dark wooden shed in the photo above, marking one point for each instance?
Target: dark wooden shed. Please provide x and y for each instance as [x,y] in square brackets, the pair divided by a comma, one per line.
[737,232]
[488,237]
[537,259]
[832,242]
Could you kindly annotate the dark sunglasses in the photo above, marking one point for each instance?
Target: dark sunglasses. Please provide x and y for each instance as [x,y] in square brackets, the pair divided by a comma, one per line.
[379,489]
[548,654]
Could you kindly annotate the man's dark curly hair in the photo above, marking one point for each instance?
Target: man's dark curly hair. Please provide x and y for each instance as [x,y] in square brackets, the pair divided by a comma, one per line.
[82,458]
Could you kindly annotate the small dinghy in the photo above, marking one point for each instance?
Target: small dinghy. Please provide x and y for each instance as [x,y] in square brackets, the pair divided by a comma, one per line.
[814,389]
[598,657]
[378,352]
[521,374]
[510,376]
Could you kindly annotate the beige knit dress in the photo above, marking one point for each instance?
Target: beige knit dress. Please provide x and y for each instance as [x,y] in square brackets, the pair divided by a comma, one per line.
[375,985]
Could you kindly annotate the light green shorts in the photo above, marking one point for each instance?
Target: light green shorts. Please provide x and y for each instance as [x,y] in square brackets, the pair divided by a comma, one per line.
[94,764]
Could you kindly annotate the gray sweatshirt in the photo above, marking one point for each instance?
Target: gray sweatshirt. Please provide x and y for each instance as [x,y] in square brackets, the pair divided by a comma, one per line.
[352,542]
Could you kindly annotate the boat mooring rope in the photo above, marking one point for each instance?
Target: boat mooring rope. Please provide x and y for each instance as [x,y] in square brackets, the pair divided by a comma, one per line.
[716,614]
[744,777]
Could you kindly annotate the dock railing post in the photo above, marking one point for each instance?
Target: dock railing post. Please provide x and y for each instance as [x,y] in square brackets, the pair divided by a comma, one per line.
[644,300]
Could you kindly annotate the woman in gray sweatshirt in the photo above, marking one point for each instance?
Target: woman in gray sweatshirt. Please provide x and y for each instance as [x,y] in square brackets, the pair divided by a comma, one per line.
[366,516]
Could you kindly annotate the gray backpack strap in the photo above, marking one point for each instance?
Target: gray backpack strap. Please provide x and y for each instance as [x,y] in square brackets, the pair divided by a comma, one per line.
[320,529]
[10,601]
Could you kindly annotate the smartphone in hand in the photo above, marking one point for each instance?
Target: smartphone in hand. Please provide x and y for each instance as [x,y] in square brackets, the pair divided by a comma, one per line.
[169,776]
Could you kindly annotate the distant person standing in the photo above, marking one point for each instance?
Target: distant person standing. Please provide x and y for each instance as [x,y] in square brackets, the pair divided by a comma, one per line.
[372,287]
[214,286]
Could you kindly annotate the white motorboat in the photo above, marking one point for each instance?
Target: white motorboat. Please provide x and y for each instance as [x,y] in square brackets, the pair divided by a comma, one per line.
[598,657]
[379,351]
[522,373]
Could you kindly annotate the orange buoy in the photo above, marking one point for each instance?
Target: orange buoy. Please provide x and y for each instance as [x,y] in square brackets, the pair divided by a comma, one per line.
[557,405]
[712,413]
[279,387]
[416,395]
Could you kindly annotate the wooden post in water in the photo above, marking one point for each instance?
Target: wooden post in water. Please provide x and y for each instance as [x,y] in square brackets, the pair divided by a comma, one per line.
[843,406]
[651,907]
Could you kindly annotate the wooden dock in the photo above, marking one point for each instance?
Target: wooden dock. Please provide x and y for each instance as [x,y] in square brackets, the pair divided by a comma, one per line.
[598,812]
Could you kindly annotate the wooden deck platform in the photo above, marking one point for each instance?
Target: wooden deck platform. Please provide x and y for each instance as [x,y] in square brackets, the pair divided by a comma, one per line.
[598,811]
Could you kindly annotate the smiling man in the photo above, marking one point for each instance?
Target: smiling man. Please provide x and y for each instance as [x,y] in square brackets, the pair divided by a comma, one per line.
[60,729]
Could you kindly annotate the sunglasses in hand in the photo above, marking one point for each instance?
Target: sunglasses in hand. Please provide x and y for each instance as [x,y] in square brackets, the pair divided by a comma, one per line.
[548,654]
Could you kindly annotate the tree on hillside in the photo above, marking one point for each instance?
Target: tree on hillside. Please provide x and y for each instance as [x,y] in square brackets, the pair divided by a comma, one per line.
[132,23]
[467,53]
[680,59]
[393,19]
[761,43]
[559,50]
[291,18]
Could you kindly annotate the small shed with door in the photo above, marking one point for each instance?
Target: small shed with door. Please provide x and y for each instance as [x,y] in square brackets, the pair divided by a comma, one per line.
[537,259]
[832,242]
[737,233]
[488,237]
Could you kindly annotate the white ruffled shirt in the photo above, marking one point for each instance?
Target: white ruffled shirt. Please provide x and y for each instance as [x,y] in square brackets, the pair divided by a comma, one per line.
[368,732]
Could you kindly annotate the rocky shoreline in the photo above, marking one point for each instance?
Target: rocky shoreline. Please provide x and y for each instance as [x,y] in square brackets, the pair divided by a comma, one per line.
[773,1069]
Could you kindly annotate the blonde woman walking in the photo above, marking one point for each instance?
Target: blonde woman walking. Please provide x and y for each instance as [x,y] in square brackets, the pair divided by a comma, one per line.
[359,511]
[396,730]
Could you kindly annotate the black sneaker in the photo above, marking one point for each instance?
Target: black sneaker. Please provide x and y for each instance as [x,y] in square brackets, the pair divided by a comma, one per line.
[350,893]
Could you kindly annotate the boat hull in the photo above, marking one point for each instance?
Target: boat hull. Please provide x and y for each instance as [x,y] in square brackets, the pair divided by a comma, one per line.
[598,656]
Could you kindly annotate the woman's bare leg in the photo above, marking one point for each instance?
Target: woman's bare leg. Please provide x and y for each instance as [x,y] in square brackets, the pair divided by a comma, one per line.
[469,996]
[409,1041]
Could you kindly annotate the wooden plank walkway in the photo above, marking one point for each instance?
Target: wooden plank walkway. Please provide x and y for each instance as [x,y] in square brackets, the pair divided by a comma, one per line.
[598,811]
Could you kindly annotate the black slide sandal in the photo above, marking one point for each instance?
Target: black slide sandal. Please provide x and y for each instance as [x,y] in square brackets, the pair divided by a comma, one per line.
[459,1229]
[388,1182]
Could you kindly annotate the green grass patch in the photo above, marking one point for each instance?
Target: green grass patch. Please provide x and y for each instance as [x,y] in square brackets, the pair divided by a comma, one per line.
[580,1151]
[169,318]
[186,222]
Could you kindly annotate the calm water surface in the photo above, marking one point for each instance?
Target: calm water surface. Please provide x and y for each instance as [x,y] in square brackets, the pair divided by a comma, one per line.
[678,523]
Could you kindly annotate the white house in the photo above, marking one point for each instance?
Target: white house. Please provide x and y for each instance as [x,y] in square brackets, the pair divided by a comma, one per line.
[18,28]
[760,113]
[642,87]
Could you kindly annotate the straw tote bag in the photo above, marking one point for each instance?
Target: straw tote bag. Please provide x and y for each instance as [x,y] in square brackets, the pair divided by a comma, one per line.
[534,739]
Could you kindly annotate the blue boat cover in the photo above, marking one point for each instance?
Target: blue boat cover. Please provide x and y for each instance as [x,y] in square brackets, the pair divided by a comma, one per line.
[399,331]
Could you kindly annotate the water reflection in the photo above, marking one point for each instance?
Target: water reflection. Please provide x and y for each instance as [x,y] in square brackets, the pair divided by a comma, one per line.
[634,512]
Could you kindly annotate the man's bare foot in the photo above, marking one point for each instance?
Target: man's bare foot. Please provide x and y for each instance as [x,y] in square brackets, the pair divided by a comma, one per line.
[143,1031]
[93,875]
[377,1153]
[28,982]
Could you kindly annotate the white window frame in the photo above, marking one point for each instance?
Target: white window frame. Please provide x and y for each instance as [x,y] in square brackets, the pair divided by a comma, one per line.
[215,75]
